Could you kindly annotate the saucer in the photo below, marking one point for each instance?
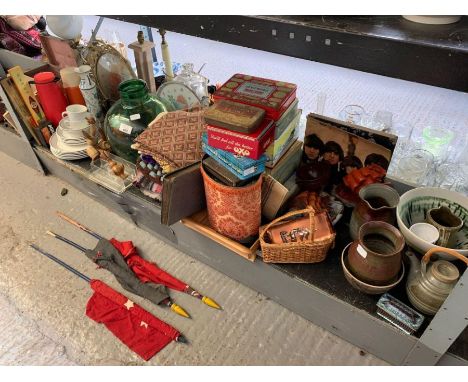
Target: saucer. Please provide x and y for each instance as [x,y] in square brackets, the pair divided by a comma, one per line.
[66,124]
[56,150]
[72,140]
[66,148]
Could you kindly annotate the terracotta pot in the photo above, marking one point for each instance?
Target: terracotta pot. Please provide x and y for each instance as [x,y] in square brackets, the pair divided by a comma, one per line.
[233,211]
[375,257]
[376,202]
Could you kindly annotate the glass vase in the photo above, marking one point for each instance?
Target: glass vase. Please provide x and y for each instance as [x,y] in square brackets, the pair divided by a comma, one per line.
[130,115]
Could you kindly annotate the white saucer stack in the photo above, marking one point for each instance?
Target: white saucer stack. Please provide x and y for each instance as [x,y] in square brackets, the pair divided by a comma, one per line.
[68,141]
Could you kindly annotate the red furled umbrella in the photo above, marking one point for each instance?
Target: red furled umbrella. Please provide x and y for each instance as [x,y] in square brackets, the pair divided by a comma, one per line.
[146,271]
[142,332]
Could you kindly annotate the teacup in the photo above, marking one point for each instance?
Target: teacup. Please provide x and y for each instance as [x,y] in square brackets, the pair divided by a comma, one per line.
[446,222]
[76,115]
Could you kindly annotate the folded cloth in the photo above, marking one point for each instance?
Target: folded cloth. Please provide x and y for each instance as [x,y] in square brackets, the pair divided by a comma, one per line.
[174,139]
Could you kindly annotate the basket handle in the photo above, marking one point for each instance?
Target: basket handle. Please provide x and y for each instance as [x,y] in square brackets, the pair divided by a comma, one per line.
[310,211]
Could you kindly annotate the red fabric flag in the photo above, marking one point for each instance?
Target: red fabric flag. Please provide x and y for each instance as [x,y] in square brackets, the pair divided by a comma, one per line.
[142,332]
[146,271]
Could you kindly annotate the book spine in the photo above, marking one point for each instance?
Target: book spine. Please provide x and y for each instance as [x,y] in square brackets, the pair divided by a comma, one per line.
[20,108]
[19,79]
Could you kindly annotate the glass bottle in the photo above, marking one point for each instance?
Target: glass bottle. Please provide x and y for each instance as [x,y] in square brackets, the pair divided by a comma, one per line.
[130,115]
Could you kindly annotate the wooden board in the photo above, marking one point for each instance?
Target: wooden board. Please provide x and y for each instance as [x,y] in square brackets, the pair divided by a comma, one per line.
[199,222]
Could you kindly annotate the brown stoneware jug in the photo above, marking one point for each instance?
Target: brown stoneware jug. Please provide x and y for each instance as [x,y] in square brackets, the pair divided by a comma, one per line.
[430,283]
[376,202]
[375,256]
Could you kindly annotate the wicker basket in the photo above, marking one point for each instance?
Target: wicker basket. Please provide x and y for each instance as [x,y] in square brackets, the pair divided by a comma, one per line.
[308,251]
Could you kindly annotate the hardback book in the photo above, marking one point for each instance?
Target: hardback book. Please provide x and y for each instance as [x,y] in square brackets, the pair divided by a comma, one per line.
[21,109]
[288,163]
[247,145]
[286,118]
[279,145]
[183,194]
[24,89]
[273,196]
[270,95]
[234,116]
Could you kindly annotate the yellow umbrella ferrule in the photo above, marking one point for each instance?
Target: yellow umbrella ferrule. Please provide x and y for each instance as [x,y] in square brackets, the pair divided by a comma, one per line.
[179,310]
[208,301]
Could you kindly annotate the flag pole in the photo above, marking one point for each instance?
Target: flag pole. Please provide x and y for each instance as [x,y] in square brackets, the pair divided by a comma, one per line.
[180,338]
[166,302]
[188,289]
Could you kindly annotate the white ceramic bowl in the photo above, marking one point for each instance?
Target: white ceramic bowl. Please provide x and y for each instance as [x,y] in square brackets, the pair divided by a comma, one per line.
[426,232]
[413,208]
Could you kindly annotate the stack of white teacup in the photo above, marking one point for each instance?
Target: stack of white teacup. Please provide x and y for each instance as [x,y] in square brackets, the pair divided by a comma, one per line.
[68,142]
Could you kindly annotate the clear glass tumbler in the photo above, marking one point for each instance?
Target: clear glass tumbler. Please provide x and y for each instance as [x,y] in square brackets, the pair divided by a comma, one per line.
[415,166]
[352,114]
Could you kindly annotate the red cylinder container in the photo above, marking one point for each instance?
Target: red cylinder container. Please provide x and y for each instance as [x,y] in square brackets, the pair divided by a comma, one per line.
[50,96]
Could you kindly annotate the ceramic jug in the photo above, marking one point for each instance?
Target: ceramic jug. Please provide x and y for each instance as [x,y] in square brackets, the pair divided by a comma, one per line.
[375,257]
[447,223]
[89,90]
[376,202]
[429,284]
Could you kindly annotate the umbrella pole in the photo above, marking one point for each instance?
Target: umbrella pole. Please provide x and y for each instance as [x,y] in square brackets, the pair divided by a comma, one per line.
[80,226]
[65,265]
[68,241]
[167,302]
[188,289]
[180,338]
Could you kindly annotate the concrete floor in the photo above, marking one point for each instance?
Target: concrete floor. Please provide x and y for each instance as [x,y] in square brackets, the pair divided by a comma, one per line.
[42,306]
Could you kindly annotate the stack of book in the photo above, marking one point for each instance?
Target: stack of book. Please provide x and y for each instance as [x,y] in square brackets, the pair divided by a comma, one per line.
[252,125]
[26,105]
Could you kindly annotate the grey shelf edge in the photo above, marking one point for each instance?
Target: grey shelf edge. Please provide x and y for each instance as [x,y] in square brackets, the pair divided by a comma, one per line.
[16,147]
[324,310]
[383,45]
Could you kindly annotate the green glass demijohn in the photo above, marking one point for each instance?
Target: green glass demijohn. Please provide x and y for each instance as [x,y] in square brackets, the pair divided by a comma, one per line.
[129,116]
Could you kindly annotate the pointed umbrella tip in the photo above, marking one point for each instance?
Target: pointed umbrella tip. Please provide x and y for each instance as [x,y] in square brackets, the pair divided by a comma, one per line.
[51,233]
[208,301]
[181,338]
[179,310]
